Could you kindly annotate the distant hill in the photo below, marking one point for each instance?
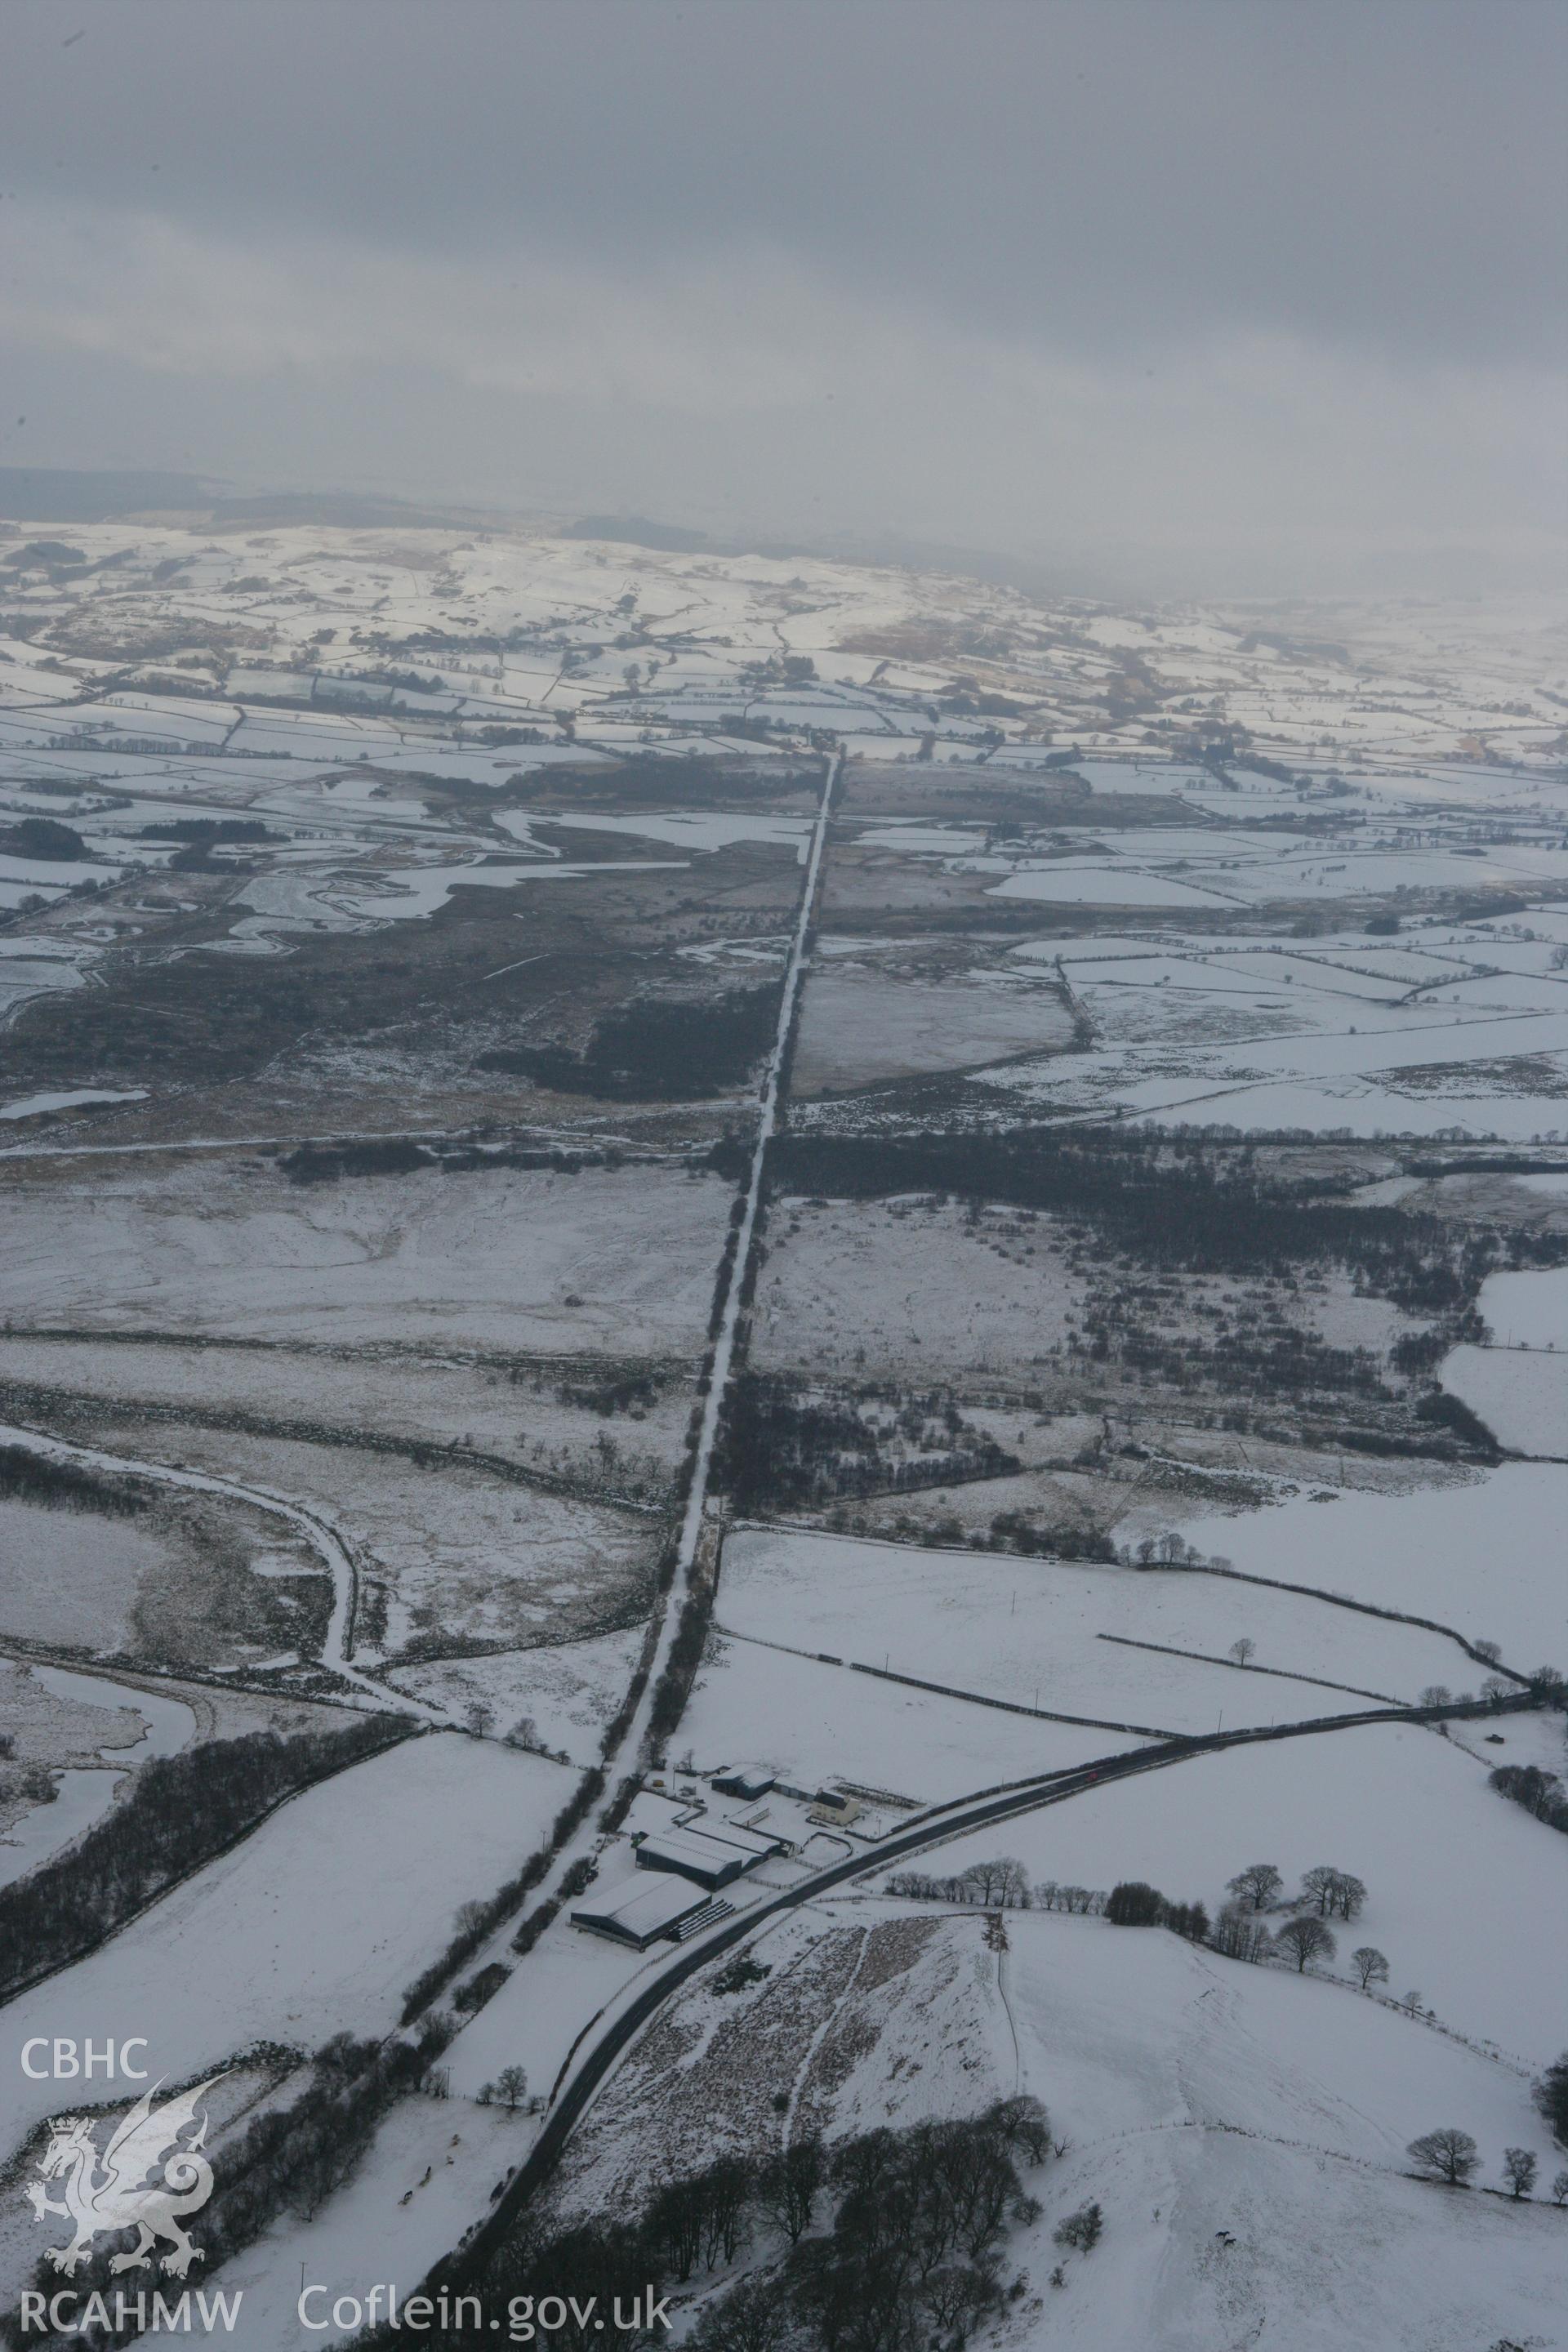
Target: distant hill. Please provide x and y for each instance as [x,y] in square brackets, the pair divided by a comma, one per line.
[635,531]
[65,494]
[333,510]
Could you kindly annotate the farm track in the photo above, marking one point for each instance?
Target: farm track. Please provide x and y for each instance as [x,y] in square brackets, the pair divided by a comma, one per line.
[637,1735]
[727,1344]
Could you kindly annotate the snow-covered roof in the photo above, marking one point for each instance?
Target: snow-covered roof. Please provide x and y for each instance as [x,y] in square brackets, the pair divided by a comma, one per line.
[712,1860]
[640,1909]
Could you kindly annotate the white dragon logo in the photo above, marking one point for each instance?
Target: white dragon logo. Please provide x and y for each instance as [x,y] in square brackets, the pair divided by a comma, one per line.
[119,2194]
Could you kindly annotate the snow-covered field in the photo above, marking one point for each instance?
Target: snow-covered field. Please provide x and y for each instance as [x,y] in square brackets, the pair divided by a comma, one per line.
[859,1026]
[88,1732]
[618,1261]
[567,1690]
[1527,1310]
[1202,2098]
[534,2020]
[317,1922]
[1518,1385]
[811,1723]
[1480,1551]
[432,2169]
[1461,1029]
[1049,1634]
[1521,1394]
[1395,1071]
[479,1398]
[916,1288]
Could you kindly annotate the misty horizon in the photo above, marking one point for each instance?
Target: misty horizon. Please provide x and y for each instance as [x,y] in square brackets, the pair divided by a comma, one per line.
[1143,300]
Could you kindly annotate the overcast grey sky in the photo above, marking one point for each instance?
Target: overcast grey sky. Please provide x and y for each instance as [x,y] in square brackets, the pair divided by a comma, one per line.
[1256,293]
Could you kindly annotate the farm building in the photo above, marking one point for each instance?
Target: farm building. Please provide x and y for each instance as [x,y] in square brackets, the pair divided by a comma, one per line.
[638,1911]
[712,1855]
[832,1809]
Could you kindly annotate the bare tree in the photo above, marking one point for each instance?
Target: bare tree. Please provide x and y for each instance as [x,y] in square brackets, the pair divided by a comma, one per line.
[1305,1940]
[1020,1895]
[1239,1934]
[1560,2188]
[1319,1887]
[1489,1650]
[1435,1694]
[1012,1884]
[752,2318]
[1551,2096]
[674,2224]
[788,2186]
[956,2295]
[1520,2166]
[1083,1902]
[1083,2228]
[1132,1903]
[1244,1650]
[1370,1966]
[1445,2154]
[1540,1794]
[728,2182]
[1022,2123]
[1002,1882]
[1330,1890]
[990,2196]
[511,2087]
[1256,1887]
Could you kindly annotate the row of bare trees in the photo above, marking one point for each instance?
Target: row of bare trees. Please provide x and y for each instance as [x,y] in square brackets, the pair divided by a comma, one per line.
[1451,2156]
[1540,1794]
[1325,1889]
[179,1812]
[1301,1942]
[1002,1884]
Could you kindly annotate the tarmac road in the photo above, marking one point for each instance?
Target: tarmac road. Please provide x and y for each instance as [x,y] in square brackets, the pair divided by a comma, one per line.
[461,2268]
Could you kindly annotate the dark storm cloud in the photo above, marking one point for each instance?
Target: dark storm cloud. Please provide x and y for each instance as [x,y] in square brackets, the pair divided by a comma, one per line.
[936,242]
